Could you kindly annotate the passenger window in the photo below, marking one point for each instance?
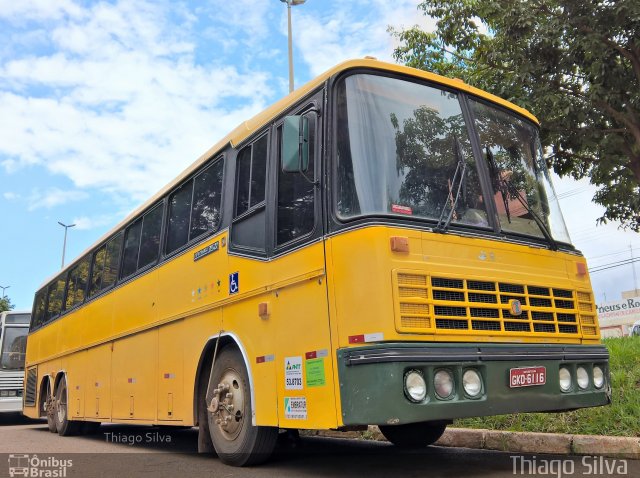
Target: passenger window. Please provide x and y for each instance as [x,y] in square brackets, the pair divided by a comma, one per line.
[82,278]
[96,274]
[252,174]
[39,309]
[56,293]
[71,288]
[131,249]
[179,211]
[111,261]
[295,217]
[207,195]
[150,238]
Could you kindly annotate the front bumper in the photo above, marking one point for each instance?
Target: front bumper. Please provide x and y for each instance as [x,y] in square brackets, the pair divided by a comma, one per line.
[10,404]
[372,380]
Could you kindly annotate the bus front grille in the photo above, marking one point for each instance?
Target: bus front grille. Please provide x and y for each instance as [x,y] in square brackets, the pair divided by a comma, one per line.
[453,305]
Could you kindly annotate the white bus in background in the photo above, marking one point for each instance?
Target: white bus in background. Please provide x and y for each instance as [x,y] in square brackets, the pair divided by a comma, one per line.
[14,327]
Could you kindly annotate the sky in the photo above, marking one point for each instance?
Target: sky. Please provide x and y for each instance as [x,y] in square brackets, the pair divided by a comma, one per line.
[103,103]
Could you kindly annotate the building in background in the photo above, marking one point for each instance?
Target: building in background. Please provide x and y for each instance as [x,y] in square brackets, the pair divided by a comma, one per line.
[617,318]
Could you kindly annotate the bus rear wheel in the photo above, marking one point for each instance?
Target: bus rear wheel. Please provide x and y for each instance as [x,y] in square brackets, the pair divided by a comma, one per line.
[49,408]
[413,435]
[228,400]
[64,426]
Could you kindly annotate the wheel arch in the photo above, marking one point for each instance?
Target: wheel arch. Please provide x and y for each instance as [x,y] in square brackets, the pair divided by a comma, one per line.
[42,394]
[225,339]
[59,376]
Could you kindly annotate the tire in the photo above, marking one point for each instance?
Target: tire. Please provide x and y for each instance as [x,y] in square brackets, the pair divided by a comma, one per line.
[236,441]
[48,406]
[65,426]
[414,435]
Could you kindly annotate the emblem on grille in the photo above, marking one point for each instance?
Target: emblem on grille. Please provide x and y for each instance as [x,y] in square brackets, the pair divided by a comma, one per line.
[515,306]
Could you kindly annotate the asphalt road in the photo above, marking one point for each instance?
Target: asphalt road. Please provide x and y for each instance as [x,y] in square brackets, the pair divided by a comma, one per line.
[130,451]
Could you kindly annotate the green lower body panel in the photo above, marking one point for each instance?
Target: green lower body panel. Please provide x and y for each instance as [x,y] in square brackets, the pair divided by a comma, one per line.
[372,388]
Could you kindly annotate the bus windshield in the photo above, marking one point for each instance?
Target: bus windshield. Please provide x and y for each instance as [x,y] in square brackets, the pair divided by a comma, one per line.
[14,345]
[404,149]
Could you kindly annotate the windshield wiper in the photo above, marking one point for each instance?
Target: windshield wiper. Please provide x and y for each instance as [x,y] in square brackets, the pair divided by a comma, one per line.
[461,167]
[507,189]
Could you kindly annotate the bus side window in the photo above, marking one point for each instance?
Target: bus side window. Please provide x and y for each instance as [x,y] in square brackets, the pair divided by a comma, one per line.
[295,217]
[248,230]
[96,273]
[39,309]
[150,237]
[131,249]
[178,222]
[111,261]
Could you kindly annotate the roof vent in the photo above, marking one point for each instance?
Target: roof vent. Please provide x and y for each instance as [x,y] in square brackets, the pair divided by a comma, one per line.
[369,57]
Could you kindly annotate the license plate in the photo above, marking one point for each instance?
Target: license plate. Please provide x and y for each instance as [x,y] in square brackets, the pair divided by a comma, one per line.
[527,376]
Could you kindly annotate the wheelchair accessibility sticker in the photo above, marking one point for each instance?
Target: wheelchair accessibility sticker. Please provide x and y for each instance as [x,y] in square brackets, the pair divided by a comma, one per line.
[234,284]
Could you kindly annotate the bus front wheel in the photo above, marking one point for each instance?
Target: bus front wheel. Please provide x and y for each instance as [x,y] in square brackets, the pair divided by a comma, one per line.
[236,440]
[413,435]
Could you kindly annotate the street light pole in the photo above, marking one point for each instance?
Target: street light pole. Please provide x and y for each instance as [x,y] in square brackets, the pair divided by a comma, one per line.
[64,244]
[290,36]
[3,289]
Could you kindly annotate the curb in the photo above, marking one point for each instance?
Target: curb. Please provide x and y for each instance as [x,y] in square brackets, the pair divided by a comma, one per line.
[518,442]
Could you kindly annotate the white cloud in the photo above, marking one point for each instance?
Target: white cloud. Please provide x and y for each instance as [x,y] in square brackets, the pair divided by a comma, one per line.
[38,10]
[342,33]
[121,103]
[85,222]
[53,197]
[10,196]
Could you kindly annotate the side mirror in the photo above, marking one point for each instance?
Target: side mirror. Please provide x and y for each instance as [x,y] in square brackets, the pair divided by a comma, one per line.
[295,144]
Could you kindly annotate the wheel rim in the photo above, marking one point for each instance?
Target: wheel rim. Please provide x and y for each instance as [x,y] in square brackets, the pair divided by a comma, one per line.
[61,404]
[227,405]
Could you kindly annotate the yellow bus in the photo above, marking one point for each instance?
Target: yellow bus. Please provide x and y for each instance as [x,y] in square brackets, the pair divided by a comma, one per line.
[383,246]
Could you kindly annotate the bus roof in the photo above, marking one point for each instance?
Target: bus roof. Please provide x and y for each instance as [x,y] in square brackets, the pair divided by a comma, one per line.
[247,128]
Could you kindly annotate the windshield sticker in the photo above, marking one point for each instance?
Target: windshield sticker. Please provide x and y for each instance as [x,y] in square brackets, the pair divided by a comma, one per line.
[295,408]
[314,370]
[401,209]
[293,373]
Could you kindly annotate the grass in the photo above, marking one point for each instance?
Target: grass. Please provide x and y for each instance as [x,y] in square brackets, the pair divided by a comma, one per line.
[621,418]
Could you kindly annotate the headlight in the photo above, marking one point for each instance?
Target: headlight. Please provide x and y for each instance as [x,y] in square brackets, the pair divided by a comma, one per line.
[583,378]
[415,388]
[472,383]
[443,382]
[598,377]
[565,379]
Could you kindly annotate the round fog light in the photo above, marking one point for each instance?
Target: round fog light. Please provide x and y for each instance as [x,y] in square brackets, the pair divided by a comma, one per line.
[565,379]
[415,387]
[443,381]
[598,377]
[472,383]
[583,378]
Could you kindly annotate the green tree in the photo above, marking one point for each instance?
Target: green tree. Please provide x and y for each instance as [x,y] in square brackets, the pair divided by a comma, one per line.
[5,304]
[573,63]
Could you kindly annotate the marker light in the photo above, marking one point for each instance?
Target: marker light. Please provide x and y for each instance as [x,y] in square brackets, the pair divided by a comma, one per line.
[565,379]
[598,377]
[472,383]
[583,378]
[415,387]
[443,382]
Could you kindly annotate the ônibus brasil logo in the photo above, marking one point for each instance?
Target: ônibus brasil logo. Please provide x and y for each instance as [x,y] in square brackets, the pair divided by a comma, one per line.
[34,466]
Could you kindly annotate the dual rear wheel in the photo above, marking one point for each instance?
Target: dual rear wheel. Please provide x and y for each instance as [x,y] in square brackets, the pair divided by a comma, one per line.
[57,410]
